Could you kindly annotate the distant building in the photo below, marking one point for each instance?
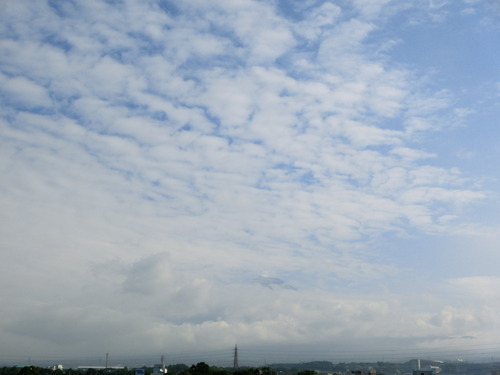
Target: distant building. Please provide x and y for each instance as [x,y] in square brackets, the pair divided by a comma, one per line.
[159,370]
[85,368]
[369,372]
[426,370]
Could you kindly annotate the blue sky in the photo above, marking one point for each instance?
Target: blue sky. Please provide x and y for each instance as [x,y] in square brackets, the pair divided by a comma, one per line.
[306,179]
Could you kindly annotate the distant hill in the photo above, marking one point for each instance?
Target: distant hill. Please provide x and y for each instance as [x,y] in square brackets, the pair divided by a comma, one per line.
[324,366]
[389,368]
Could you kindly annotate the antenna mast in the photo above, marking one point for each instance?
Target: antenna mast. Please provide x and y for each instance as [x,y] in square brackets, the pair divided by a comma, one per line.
[235,361]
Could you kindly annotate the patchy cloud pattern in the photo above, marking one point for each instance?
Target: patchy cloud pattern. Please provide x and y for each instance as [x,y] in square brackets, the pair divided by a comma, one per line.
[184,176]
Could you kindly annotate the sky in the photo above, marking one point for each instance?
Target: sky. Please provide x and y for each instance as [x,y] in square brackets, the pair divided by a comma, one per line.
[308,180]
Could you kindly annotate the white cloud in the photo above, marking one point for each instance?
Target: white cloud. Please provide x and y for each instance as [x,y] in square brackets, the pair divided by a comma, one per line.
[24,93]
[483,287]
[370,8]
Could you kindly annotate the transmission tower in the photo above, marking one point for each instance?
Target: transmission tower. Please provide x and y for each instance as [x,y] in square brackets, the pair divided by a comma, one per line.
[235,360]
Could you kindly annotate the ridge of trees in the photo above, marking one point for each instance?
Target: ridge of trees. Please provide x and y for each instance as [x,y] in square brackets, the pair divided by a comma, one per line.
[305,368]
[201,368]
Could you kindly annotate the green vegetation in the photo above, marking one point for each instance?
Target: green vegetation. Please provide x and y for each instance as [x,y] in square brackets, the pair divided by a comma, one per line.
[309,368]
[200,368]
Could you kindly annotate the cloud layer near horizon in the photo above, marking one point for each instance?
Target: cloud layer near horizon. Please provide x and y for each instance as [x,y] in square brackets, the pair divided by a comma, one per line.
[209,173]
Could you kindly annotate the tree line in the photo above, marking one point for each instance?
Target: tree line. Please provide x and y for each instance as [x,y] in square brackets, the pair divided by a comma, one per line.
[200,368]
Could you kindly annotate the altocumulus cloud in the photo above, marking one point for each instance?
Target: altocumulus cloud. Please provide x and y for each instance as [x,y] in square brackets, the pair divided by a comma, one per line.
[180,175]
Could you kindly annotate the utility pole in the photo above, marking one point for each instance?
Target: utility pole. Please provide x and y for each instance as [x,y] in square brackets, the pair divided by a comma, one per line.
[235,359]
[107,355]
